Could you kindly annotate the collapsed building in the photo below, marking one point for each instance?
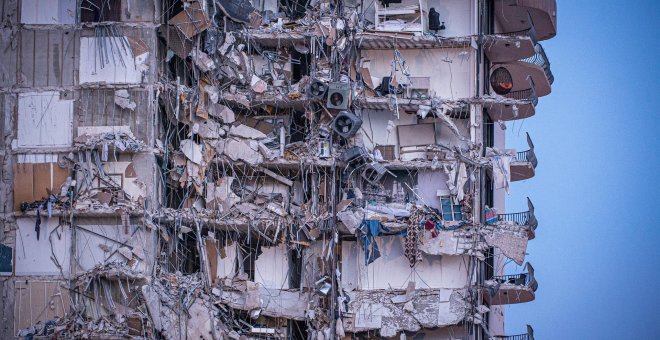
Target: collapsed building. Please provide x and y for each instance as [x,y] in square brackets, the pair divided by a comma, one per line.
[266,169]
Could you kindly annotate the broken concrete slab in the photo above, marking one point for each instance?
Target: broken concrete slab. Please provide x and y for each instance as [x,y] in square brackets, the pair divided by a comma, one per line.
[192,150]
[245,131]
[123,100]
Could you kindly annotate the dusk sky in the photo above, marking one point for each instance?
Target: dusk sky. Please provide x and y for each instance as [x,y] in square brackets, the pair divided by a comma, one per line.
[597,247]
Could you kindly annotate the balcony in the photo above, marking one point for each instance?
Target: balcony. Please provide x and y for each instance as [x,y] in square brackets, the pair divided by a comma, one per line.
[512,46]
[517,104]
[517,15]
[511,289]
[531,77]
[526,218]
[527,336]
[524,166]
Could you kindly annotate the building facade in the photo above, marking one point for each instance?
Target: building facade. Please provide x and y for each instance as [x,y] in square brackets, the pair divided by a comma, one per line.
[266,169]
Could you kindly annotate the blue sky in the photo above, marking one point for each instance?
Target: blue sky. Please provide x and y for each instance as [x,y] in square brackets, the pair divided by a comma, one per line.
[597,136]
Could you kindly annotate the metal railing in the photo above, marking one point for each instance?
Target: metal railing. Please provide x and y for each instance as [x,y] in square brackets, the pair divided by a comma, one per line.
[528,94]
[527,156]
[523,156]
[541,59]
[516,279]
[512,337]
[520,218]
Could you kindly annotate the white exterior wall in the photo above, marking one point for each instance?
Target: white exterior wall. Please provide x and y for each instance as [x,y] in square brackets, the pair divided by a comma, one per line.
[392,269]
[375,122]
[458,15]
[452,70]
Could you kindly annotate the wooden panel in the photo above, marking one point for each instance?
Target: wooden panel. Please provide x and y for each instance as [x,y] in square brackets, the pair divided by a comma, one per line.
[60,176]
[31,181]
[99,109]
[42,180]
[40,58]
[416,134]
[55,58]
[69,62]
[9,10]
[27,60]
[212,258]
[8,57]
[23,190]
[38,301]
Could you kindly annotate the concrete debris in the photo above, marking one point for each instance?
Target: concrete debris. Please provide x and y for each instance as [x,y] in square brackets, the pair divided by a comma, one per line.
[245,131]
[246,151]
[202,60]
[222,112]
[123,100]
[192,150]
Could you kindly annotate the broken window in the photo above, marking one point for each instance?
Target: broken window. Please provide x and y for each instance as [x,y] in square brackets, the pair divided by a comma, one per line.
[451,212]
[100,10]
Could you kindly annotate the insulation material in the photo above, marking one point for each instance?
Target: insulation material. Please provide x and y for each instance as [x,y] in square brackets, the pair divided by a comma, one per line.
[54,240]
[44,120]
[110,60]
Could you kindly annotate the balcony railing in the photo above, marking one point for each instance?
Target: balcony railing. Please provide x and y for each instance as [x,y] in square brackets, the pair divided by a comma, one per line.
[513,337]
[520,218]
[541,59]
[523,156]
[528,94]
[516,279]
[527,336]
[527,156]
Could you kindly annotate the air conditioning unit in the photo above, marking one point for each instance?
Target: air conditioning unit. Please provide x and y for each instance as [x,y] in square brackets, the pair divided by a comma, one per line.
[346,124]
[338,96]
[317,89]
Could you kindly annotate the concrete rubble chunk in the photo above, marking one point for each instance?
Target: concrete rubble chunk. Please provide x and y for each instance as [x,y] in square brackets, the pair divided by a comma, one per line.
[123,100]
[258,85]
[242,151]
[202,60]
[222,112]
[192,150]
[126,252]
[245,131]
